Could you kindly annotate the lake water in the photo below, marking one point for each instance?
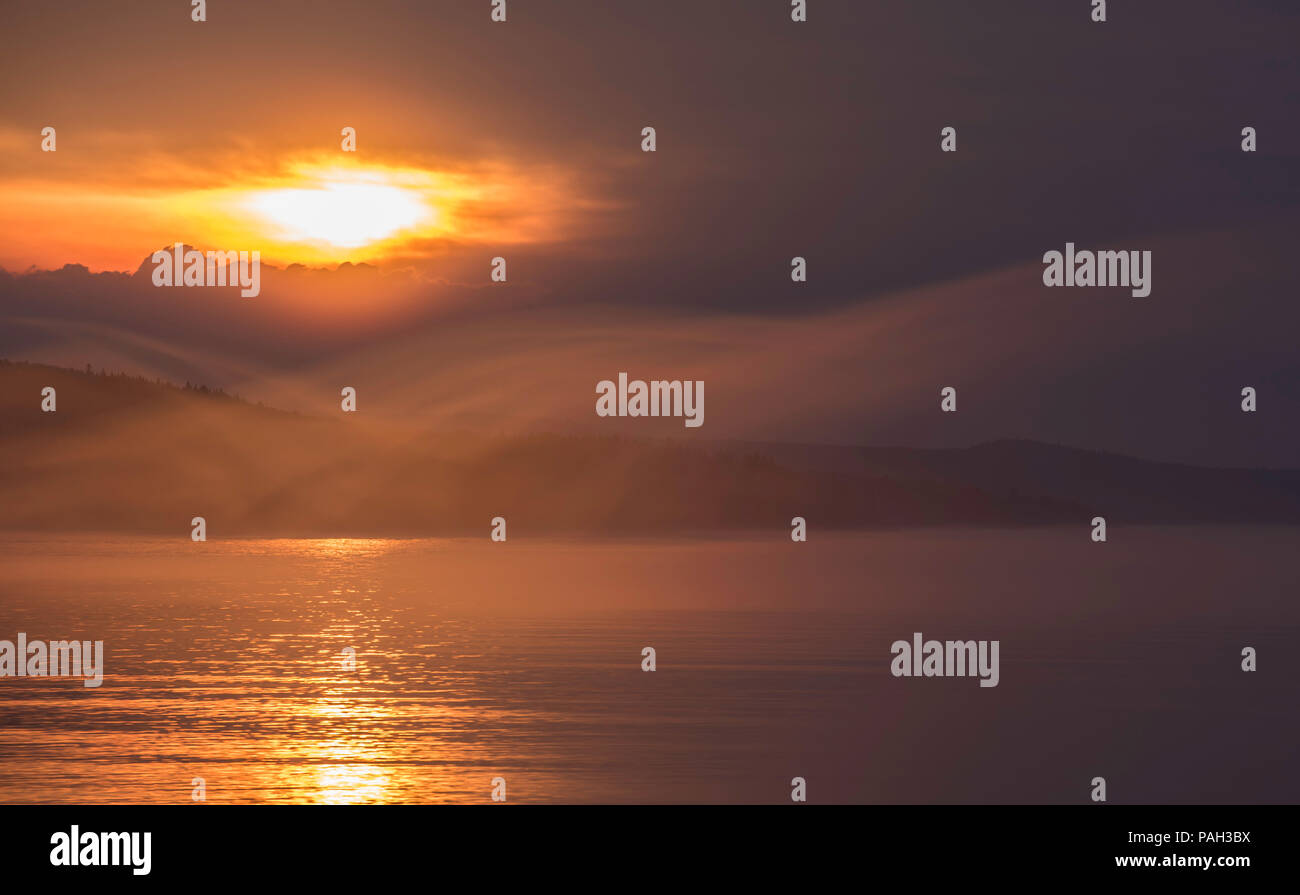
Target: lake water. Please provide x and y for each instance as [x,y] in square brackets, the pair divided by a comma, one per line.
[224,660]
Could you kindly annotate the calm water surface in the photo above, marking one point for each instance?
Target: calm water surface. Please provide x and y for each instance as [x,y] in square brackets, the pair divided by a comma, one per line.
[523,660]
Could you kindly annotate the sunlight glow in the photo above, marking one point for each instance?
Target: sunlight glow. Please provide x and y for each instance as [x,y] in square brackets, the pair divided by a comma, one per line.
[311,209]
[347,215]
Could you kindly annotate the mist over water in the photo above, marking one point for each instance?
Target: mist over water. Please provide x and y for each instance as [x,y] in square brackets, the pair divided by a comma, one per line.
[523,660]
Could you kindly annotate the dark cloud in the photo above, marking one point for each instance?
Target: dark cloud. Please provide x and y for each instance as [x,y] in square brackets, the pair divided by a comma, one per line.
[775,140]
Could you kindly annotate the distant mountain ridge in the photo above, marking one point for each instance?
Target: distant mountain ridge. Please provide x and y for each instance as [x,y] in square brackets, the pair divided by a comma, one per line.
[129,454]
[1128,488]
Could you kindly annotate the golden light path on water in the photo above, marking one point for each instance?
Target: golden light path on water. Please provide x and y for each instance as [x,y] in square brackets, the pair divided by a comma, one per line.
[344,772]
[348,768]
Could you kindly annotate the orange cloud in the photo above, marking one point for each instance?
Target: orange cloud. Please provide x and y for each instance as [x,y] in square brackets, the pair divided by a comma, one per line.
[321,208]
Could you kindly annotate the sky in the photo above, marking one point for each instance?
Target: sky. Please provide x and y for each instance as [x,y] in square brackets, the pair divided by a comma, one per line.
[523,140]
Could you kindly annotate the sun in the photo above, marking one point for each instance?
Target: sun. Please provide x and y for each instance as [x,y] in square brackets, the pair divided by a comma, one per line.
[343,214]
[314,212]
[318,211]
